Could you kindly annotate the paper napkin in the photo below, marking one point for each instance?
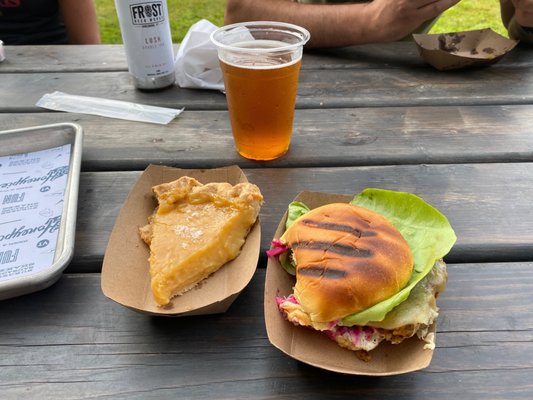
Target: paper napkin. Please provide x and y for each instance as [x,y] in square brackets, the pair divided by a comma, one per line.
[196,62]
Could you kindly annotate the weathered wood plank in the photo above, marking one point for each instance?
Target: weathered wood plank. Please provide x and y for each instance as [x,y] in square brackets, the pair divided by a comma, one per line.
[80,58]
[83,58]
[81,345]
[64,58]
[489,205]
[392,55]
[367,136]
[331,88]
[69,341]
[20,91]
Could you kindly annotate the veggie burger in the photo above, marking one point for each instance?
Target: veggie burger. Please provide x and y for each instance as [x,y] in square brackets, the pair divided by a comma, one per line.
[366,271]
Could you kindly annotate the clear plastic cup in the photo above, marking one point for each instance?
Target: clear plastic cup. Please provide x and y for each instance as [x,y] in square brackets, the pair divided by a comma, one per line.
[260,62]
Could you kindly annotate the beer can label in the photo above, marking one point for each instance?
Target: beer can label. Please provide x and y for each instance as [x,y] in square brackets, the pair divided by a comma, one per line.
[146,35]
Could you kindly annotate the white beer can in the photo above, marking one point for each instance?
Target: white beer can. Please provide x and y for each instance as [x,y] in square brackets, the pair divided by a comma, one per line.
[147,40]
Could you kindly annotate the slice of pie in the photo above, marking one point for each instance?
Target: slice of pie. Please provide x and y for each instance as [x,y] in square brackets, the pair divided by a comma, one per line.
[195,230]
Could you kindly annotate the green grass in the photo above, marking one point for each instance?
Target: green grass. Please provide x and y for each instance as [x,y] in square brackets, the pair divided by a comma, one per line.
[468,14]
[471,14]
[183,13]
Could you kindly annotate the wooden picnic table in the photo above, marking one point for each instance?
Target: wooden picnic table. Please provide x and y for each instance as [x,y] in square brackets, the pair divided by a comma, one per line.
[367,116]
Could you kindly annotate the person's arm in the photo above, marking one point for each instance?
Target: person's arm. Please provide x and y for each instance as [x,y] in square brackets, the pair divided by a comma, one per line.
[335,25]
[80,21]
[517,17]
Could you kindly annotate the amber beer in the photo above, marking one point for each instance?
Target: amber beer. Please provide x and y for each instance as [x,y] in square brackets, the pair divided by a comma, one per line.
[261,101]
[260,63]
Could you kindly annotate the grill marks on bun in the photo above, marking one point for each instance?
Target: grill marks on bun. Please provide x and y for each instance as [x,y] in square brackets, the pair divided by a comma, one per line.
[341,249]
[335,227]
[323,271]
[348,258]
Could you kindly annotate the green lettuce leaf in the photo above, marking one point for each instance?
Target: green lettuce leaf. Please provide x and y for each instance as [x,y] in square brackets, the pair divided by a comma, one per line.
[285,260]
[295,210]
[428,233]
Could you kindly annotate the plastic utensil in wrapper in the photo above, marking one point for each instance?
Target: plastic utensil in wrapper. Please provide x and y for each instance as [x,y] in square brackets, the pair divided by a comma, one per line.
[108,108]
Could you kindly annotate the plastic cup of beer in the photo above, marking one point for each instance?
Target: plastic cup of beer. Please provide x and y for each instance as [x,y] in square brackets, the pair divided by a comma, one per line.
[260,63]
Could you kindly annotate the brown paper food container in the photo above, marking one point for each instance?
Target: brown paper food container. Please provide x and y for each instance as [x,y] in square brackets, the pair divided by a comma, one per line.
[315,348]
[125,270]
[454,50]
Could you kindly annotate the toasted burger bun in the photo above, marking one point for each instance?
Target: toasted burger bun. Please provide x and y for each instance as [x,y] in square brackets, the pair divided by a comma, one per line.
[347,258]
[415,316]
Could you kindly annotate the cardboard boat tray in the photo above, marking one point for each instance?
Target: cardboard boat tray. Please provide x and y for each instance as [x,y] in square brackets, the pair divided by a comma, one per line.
[314,347]
[125,271]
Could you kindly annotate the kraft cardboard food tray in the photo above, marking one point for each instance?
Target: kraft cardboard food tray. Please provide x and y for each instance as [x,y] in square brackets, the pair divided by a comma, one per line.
[315,348]
[454,50]
[125,271]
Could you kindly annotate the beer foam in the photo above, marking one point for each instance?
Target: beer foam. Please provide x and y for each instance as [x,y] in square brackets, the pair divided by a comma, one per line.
[258,57]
